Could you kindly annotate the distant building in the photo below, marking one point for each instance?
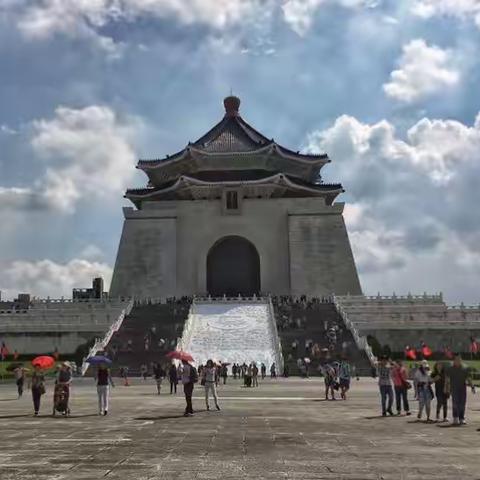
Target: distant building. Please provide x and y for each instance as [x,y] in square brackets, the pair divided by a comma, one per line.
[87,293]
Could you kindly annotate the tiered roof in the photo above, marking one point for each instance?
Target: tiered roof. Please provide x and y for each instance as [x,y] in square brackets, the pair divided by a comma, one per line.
[233,154]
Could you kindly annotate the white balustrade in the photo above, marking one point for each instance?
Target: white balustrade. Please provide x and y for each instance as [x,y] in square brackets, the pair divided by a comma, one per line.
[101,343]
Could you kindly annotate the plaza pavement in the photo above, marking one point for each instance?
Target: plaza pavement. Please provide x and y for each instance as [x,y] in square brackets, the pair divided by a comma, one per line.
[282,430]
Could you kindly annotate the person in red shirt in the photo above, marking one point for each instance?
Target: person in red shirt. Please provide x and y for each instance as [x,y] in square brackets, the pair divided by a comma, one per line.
[401,385]
[4,351]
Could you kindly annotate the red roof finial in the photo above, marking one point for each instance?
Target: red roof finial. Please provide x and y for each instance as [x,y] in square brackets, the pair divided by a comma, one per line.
[232,104]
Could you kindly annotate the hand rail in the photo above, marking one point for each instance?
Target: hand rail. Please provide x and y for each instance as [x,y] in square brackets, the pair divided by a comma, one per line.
[360,340]
[101,343]
[277,343]
[184,340]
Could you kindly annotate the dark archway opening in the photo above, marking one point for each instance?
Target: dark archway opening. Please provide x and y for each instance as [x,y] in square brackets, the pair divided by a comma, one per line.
[233,267]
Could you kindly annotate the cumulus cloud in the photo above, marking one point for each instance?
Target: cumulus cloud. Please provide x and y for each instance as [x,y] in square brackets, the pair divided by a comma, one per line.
[411,214]
[47,278]
[88,18]
[462,9]
[423,70]
[300,14]
[87,152]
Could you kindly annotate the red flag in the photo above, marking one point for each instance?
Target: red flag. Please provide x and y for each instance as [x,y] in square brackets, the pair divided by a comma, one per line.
[426,351]
[410,354]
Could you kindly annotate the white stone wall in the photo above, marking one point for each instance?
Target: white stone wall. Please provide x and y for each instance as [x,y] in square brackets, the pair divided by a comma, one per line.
[321,258]
[302,244]
[146,259]
[64,325]
[407,320]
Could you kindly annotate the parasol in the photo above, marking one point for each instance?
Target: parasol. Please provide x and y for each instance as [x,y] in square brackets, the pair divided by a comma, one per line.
[43,361]
[98,360]
[179,355]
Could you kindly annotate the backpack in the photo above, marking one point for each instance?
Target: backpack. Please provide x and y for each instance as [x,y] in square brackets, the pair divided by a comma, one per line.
[193,374]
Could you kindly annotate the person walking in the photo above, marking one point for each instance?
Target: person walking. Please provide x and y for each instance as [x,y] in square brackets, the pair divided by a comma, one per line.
[144,372]
[330,379]
[124,375]
[263,370]
[158,374]
[224,373]
[439,377]
[37,384]
[425,392]
[401,386]
[104,380]
[344,375]
[254,375]
[189,378]
[173,377]
[208,381]
[458,377]
[384,373]
[19,373]
[273,371]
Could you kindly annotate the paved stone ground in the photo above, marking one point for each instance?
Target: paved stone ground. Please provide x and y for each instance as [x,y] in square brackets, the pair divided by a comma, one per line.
[282,430]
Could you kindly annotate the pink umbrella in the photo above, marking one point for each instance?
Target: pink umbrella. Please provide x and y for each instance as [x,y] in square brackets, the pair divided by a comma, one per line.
[179,355]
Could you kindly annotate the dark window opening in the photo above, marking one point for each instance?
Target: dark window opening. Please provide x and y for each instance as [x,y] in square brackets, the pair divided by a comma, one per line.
[232,200]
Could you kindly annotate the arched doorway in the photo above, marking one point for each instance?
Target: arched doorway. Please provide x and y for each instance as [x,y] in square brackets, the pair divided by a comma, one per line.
[233,267]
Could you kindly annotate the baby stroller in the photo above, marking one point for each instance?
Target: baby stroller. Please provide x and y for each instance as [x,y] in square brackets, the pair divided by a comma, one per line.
[61,396]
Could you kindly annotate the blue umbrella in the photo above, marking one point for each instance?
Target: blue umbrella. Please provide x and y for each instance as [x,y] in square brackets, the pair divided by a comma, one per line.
[99,359]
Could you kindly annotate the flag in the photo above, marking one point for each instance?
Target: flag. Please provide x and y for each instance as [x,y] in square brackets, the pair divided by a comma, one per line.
[426,351]
[410,353]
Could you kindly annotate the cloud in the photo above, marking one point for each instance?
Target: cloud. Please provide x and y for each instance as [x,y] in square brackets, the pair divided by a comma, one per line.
[90,19]
[410,214]
[47,278]
[461,9]
[300,14]
[423,70]
[5,129]
[87,153]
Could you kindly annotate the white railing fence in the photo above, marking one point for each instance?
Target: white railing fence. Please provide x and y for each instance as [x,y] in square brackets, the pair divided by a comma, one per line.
[360,340]
[101,343]
[184,340]
[277,343]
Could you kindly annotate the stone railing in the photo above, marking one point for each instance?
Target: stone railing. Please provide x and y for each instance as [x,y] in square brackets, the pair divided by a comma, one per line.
[225,299]
[360,340]
[277,343]
[184,340]
[101,343]
[409,298]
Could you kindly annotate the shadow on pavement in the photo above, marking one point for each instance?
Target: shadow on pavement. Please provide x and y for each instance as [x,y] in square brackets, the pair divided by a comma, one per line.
[16,416]
[161,417]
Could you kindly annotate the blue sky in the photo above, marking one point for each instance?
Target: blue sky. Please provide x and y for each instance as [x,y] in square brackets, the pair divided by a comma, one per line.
[388,89]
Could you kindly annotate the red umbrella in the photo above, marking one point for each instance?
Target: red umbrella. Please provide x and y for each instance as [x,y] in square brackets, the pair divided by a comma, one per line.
[44,361]
[180,355]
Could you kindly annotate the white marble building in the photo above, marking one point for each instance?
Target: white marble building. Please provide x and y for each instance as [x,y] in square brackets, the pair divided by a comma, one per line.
[234,212]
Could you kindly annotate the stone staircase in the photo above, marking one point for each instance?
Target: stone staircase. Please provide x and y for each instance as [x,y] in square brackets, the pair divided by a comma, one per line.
[308,323]
[147,334]
[232,331]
